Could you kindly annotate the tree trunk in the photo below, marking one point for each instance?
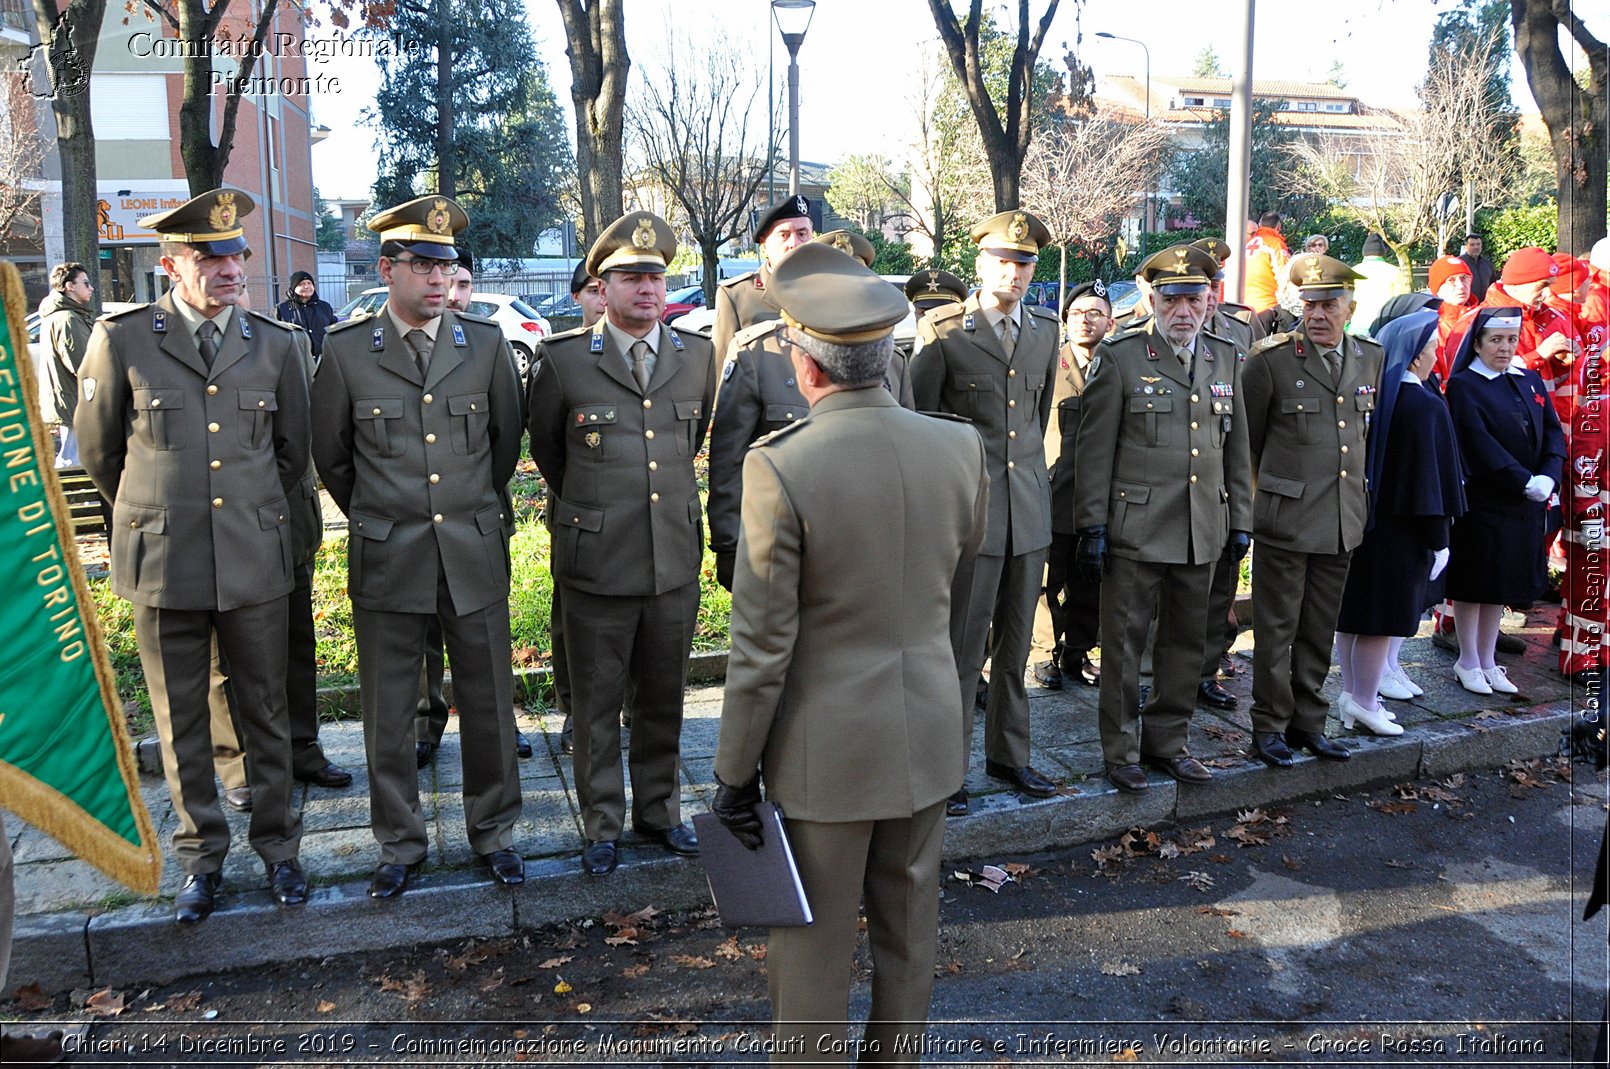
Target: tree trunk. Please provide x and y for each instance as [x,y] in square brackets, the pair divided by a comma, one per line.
[711,252]
[70,42]
[202,170]
[1576,120]
[596,36]
[446,154]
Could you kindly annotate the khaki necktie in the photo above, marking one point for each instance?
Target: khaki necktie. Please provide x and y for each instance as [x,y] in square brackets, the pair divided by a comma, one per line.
[640,364]
[1333,361]
[419,343]
[207,342]
[1008,331]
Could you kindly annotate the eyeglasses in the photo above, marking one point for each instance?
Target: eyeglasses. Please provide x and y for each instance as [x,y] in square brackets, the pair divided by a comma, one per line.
[421,266]
[1086,313]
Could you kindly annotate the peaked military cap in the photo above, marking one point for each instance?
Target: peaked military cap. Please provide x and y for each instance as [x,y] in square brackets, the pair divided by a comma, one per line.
[425,226]
[1319,278]
[834,297]
[1179,269]
[637,241]
[466,260]
[932,287]
[1014,235]
[850,243]
[210,223]
[796,207]
[578,278]
[1214,247]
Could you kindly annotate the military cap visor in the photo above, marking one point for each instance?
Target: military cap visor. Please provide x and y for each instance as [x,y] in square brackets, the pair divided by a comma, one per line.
[796,207]
[1320,278]
[1015,236]
[209,223]
[849,243]
[834,297]
[1179,270]
[637,241]
[423,226]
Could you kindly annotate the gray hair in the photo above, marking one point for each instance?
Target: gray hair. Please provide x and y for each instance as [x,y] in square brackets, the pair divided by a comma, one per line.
[862,364]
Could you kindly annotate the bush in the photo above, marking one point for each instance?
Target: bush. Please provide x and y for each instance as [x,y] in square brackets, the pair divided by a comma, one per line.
[1515,228]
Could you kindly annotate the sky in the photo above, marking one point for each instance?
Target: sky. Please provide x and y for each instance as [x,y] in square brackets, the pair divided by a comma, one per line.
[862,60]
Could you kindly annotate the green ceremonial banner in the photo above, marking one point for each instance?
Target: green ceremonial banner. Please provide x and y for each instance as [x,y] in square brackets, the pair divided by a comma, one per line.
[66,765]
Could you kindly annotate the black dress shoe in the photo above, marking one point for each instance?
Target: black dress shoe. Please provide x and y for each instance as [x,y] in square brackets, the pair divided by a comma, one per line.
[1090,672]
[506,865]
[599,858]
[287,883]
[1317,744]
[1025,779]
[195,900]
[956,804]
[1208,692]
[1184,768]
[1270,748]
[32,1050]
[1130,779]
[522,745]
[423,752]
[332,776]
[239,799]
[679,839]
[981,696]
[1048,675]
[390,880]
[567,735]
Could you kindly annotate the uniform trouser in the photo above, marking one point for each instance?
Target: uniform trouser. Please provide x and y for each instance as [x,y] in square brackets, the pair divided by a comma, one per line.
[430,713]
[390,647]
[992,605]
[1068,618]
[895,865]
[620,645]
[1176,595]
[301,695]
[176,655]
[1293,635]
[1221,622]
[556,654]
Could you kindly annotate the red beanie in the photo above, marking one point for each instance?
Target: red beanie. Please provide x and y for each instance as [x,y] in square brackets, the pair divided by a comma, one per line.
[1573,273]
[1530,264]
[1443,268]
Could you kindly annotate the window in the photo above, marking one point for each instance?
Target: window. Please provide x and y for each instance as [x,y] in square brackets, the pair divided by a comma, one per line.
[130,107]
[1221,102]
[1194,102]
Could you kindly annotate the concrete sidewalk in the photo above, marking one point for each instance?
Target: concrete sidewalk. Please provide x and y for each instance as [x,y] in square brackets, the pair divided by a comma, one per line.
[77,929]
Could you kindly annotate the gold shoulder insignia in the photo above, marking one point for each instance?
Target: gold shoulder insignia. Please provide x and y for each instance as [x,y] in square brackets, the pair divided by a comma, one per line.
[471,317]
[260,317]
[125,312]
[779,433]
[344,324]
[745,277]
[1270,342]
[948,311]
[755,331]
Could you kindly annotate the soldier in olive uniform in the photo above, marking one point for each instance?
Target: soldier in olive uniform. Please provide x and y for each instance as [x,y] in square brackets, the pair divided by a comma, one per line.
[618,413]
[418,418]
[990,359]
[1067,621]
[1162,485]
[854,521]
[1237,322]
[1309,396]
[194,423]
[742,301]
[758,395]
[933,288]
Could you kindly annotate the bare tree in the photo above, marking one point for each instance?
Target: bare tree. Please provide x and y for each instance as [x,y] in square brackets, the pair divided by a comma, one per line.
[1085,177]
[596,34]
[691,130]
[1576,115]
[68,40]
[864,188]
[22,150]
[949,175]
[1395,185]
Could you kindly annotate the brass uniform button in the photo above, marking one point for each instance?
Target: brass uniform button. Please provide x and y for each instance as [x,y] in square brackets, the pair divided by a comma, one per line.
[436,518]
[1012,374]
[654,497]
[1193,424]
[156,402]
[1012,435]
[212,428]
[1194,399]
[1013,404]
[435,478]
[1011,465]
[1344,473]
[648,402]
[215,465]
[1299,408]
[648,434]
[1338,399]
[262,404]
[1341,423]
[377,412]
[1195,452]
[430,439]
[1344,448]
[428,399]
[653,465]
[211,389]
[1193,478]
[217,502]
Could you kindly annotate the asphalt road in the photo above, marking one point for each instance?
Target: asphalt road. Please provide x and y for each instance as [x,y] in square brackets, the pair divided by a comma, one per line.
[1427,924]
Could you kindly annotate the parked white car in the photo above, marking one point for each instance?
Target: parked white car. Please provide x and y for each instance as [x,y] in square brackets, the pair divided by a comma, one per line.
[522,324]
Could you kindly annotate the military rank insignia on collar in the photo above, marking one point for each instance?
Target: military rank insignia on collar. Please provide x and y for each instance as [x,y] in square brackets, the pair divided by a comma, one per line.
[726,372]
[458,335]
[596,345]
[377,340]
[1221,389]
[676,340]
[245,326]
[159,321]
[1364,391]
[967,321]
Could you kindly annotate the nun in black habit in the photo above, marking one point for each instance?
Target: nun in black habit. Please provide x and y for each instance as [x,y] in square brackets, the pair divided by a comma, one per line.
[1514,452]
[1415,492]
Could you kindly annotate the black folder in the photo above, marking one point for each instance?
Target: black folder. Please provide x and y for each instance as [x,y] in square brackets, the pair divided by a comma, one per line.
[753,888]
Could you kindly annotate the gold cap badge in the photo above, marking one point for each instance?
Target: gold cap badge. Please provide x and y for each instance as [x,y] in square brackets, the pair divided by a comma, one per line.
[222,215]
[643,236]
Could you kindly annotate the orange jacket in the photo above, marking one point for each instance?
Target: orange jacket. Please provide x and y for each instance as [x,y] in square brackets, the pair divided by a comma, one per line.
[1267,259]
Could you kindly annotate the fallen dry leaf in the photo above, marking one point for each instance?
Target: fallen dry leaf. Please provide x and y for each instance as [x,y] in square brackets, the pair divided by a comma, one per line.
[624,937]
[32,999]
[1392,808]
[1218,911]
[1246,836]
[728,950]
[104,1003]
[325,1007]
[1199,880]
[584,1007]
[1236,933]
[1291,863]
[554,963]
[691,961]
[1128,1054]
[1169,851]
[562,988]
[412,988]
[1119,968]
[182,1003]
[635,972]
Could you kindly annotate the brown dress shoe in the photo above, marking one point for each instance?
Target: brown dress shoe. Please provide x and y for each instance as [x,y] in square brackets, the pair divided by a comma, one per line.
[239,799]
[1131,779]
[1184,768]
[32,1050]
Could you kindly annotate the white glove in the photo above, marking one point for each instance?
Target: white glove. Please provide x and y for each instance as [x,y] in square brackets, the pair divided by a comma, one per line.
[1439,561]
[1539,487]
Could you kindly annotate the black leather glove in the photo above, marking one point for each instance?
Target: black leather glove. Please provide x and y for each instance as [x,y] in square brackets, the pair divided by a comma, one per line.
[725,560]
[735,808]
[1091,556]
[1238,545]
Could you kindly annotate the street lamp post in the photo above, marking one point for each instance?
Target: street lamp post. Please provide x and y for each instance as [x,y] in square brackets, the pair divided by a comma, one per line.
[1146,216]
[793,20]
